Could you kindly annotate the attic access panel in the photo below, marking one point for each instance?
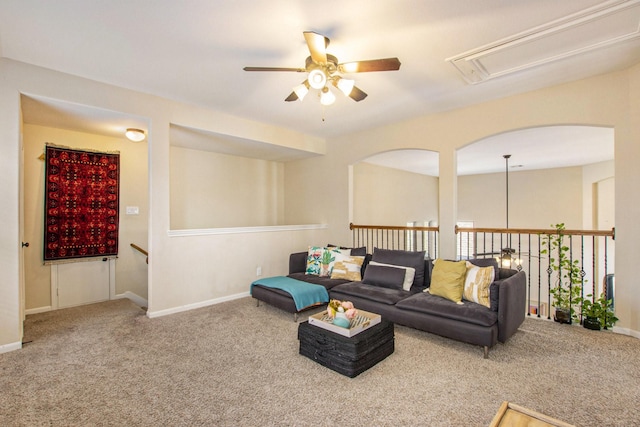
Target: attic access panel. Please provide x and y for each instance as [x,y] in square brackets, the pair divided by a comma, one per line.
[597,27]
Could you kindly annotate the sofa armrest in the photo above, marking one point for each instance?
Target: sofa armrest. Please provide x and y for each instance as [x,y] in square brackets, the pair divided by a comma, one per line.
[511,305]
[298,262]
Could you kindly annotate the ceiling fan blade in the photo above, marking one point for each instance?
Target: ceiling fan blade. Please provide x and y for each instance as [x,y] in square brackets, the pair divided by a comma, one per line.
[298,70]
[357,94]
[317,46]
[292,97]
[386,64]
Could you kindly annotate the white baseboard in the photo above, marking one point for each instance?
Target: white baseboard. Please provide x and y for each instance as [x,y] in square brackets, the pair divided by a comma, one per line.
[159,313]
[10,347]
[626,331]
[38,310]
[137,299]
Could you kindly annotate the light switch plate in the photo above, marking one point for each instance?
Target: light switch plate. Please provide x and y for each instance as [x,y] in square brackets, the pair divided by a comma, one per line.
[132,210]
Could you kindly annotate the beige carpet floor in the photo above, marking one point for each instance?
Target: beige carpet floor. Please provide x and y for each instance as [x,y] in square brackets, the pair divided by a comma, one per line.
[235,364]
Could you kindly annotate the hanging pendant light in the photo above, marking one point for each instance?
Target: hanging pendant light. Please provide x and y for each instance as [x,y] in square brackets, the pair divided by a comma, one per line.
[506,258]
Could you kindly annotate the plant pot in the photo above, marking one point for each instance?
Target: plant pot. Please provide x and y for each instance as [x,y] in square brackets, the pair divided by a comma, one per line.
[592,323]
[562,315]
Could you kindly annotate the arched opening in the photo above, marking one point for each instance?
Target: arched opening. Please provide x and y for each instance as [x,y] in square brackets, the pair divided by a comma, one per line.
[396,187]
[554,176]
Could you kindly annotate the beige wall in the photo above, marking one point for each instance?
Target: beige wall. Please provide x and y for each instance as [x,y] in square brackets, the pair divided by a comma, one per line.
[131,269]
[591,176]
[190,271]
[185,271]
[212,190]
[387,196]
[537,199]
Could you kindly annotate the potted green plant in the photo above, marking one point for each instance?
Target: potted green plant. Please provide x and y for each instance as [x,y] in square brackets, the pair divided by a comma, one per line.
[567,290]
[597,313]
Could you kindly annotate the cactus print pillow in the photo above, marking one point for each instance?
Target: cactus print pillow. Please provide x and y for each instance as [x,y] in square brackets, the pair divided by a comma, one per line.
[320,260]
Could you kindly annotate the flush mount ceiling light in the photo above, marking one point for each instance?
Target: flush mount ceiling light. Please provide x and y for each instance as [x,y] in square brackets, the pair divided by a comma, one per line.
[135,135]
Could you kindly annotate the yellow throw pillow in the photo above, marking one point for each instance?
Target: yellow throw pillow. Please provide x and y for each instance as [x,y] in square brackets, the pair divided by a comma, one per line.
[477,283]
[447,279]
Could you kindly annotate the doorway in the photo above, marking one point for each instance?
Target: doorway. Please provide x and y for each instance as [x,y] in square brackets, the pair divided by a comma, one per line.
[49,287]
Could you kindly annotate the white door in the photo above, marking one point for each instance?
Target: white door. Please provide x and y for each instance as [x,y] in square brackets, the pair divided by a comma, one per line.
[81,283]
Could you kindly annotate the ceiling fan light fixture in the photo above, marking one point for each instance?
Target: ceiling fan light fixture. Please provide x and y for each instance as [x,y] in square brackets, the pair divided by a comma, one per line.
[327,97]
[317,78]
[301,90]
[135,135]
[345,85]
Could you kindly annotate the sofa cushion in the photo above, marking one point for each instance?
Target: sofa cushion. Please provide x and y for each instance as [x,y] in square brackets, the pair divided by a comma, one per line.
[404,258]
[468,312]
[494,295]
[447,279]
[384,276]
[317,280]
[347,267]
[372,293]
[409,273]
[476,284]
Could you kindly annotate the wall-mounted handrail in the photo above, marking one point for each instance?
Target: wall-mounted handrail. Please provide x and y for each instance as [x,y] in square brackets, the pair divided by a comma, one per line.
[142,251]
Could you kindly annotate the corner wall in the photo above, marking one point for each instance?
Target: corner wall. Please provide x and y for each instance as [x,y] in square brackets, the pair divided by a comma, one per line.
[184,272]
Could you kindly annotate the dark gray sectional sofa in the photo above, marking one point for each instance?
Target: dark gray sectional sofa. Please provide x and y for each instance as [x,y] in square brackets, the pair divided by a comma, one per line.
[469,322]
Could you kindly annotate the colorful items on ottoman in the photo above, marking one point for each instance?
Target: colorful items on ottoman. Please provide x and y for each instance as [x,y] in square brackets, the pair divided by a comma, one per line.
[341,312]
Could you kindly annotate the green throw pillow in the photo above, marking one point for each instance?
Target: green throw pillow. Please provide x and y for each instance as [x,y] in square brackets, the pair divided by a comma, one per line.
[447,279]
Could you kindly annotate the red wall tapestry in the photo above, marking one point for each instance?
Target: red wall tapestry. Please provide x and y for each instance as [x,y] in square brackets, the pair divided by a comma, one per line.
[81,203]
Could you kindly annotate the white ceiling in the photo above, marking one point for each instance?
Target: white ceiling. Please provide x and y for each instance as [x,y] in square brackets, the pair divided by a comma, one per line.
[194,51]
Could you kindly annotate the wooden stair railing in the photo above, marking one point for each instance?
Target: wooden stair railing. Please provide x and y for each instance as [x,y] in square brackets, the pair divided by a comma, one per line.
[412,238]
[142,251]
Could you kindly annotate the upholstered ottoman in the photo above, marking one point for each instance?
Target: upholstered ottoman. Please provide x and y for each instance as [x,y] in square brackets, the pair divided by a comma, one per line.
[347,356]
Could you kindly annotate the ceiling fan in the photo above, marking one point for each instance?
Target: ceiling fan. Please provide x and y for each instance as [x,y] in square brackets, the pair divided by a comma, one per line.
[324,68]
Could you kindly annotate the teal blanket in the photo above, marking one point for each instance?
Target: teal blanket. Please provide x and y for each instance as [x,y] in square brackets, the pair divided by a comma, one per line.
[304,294]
